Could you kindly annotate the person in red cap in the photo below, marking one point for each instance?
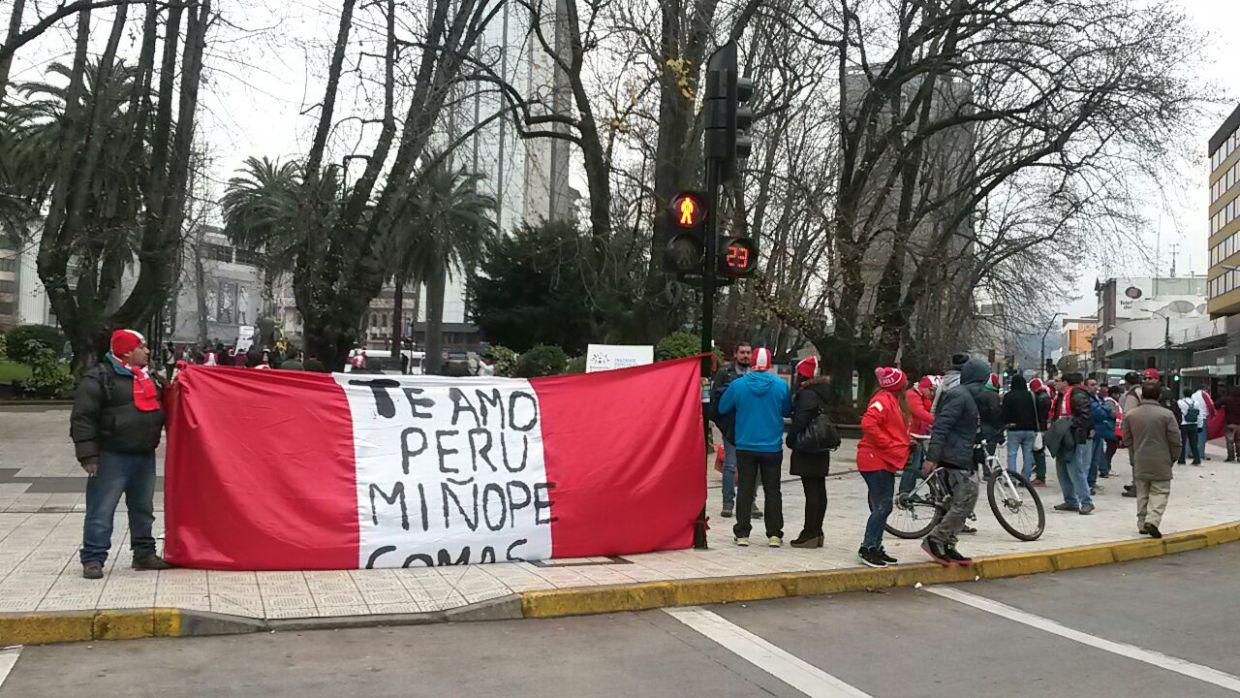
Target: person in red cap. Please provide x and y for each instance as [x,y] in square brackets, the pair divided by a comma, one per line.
[811,438]
[115,427]
[881,453]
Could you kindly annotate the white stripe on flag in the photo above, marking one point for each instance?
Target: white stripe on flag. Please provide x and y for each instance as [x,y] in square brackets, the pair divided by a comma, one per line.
[449,470]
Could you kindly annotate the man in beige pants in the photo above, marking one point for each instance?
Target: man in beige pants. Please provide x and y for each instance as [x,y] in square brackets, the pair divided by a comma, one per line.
[1153,437]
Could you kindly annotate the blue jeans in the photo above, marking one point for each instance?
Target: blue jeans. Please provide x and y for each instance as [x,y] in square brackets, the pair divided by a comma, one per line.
[881,485]
[131,474]
[912,469]
[1021,442]
[1082,458]
[1097,459]
[1203,438]
[729,474]
[1190,441]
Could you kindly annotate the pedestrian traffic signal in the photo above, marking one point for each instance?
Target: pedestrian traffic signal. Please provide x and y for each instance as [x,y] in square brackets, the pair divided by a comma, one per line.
[685,223]
[728,117]
[737,257]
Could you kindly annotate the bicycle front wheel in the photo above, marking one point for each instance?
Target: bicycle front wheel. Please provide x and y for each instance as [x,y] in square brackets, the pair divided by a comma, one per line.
[915,513]
[1016,504]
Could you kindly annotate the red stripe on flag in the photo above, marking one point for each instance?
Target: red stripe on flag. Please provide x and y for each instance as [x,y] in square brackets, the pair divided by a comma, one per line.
[259,471]
[625,457]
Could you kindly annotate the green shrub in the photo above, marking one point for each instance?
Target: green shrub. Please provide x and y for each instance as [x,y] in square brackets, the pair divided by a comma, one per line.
[577,364]
[505,359]
[19,340]
[678,345]
[542,360]
[49,376]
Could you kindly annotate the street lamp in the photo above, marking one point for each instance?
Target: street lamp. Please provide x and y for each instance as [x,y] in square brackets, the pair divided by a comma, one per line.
[1166,339]
[1050,323]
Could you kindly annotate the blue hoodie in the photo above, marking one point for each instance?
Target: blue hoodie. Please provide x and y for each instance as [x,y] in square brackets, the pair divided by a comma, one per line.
[761,401]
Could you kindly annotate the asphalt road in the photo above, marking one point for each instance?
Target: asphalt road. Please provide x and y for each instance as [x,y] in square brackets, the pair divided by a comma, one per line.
[1150,628]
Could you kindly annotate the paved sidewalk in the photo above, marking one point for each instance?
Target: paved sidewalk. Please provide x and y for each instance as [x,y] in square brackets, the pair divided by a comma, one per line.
[40,530]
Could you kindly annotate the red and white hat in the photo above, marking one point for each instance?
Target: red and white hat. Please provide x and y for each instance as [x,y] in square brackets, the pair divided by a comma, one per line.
[808,367]
[125,341]
[762,359]
[889,377]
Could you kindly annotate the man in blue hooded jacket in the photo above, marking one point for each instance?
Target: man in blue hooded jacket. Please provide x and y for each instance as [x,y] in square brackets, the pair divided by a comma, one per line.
[760,401]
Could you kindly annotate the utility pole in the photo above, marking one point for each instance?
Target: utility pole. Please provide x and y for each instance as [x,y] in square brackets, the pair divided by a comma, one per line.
[1049,325]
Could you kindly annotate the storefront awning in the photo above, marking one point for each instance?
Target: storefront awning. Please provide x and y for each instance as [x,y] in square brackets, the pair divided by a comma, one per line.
[1212,371]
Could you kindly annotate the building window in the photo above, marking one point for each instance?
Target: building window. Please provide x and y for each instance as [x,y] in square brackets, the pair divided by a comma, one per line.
[8,264]
[8,286]
[217,253]
[249,257]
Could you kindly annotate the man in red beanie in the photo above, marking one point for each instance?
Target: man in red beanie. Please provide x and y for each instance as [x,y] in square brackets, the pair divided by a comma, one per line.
[115,427]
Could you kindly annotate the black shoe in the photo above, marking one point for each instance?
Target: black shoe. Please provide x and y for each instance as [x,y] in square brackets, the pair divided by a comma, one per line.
[1180,462]
[726,513]
[1066,507]
[1229,459]
[969,530]
[955,556]
[150,561]
[886,558]
[804,541]
[1086,510]
[870,558]
[937,551]
[1153,530]
[92,570]
[1130,491]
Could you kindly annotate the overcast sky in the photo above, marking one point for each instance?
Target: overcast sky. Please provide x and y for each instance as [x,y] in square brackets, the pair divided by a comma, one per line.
[262,77]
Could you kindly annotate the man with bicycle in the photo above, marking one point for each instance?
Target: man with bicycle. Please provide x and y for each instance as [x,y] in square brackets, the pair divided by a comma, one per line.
[953,446]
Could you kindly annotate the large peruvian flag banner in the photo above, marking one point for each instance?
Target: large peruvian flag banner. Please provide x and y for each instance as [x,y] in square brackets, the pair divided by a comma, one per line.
[276,470]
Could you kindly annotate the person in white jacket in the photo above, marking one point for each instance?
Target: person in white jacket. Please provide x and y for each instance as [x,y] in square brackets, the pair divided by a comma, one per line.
[1205,404]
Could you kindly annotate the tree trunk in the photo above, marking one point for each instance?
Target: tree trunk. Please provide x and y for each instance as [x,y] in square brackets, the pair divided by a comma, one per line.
[15,27]
[398,301]
[200,290]
[435,288]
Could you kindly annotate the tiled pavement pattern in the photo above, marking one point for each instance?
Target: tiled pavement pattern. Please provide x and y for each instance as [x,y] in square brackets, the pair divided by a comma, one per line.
[40,530]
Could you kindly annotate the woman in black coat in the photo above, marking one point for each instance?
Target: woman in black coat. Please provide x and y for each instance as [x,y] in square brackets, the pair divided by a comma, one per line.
[813,396]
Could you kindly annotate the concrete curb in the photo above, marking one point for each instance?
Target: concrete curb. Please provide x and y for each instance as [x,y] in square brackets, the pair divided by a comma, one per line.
[643,596]
[128,624]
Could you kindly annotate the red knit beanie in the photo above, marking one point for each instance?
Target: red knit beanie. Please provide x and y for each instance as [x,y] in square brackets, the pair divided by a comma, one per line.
[762,359]
[125,341]
[890,378]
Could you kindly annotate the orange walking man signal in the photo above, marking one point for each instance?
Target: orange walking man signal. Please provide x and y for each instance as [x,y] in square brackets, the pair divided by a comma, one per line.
[688,210]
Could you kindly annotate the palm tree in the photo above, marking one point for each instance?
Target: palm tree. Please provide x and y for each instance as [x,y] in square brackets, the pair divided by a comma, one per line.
[443,232]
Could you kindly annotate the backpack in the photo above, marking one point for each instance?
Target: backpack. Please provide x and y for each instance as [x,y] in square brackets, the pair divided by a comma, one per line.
[1190,417]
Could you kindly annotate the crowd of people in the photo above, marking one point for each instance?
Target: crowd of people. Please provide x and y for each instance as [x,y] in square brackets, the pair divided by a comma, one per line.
[954,422]
[281,355]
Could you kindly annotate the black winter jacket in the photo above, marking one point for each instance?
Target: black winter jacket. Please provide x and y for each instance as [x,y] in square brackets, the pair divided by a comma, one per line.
[105,418]
[990,414]
[812,398]
[1024,411]
[955,430]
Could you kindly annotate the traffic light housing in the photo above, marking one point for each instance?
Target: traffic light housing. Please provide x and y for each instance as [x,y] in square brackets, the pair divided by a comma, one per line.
[685,223]
[728,115]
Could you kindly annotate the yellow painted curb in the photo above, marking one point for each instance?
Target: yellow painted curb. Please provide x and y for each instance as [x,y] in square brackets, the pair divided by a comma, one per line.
[45,627]
[715,590]
[167,622]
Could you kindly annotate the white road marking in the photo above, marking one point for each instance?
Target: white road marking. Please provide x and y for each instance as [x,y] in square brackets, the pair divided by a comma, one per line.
[1158,659]
[8,658]
[801,675]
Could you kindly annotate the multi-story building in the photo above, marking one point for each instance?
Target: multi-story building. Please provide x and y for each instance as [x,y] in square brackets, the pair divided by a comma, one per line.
[1224,212]
[528,178]
[9,260]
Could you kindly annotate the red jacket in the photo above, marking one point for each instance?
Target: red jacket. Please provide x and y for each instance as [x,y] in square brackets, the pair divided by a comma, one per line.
[919,406]
[884,435]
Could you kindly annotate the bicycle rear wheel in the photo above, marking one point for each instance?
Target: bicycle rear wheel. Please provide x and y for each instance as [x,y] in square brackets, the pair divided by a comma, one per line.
[1016,504]
[915,513]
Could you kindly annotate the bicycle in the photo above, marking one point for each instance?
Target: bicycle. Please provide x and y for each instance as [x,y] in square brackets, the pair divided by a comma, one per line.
[1013,500]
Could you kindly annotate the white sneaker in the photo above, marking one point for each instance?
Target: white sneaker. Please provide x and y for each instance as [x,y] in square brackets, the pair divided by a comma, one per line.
[742,542]
[776,542]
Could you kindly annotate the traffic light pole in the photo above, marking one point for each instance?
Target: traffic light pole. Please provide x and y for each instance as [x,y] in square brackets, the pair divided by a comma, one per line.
[713,177]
